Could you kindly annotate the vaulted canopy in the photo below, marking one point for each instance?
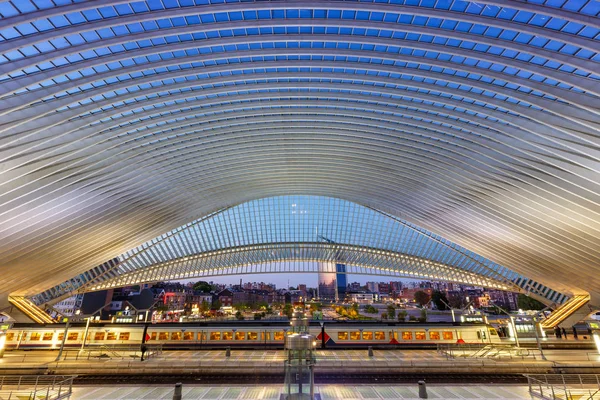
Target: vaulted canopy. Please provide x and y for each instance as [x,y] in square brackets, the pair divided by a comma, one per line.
[477,121]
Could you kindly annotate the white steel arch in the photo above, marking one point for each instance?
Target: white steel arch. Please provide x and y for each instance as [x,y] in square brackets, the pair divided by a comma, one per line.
[122,120]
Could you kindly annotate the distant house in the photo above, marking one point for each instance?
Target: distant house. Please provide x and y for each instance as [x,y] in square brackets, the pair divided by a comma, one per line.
[225,296]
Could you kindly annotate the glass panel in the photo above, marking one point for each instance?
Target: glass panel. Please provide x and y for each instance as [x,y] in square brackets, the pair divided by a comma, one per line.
[420,335]
[124,336]
[163,336]
[277,335]
[215,336]
[240,335]
[72,336]
[175,335]
[434,335]
[406,335]
[448,335]
[202,336]
[367,335]
[252,335]
[10,336]
[227,335]
[379,335]
[99,336]
[48,336]
[188,335]
[153,336]
[343,336]
[111,336]
[355,335]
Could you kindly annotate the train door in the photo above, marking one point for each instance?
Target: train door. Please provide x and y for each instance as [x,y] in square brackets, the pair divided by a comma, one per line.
[482,334]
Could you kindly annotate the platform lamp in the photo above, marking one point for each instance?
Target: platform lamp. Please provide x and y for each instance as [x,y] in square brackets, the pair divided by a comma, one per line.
[2,343]
[596,337]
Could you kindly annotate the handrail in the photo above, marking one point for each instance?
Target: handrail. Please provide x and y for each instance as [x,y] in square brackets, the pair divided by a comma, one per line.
[482,350]
[46,387]
[564,386]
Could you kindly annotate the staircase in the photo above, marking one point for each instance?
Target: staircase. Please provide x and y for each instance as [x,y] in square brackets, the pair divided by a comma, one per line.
[568,309]
[31,310]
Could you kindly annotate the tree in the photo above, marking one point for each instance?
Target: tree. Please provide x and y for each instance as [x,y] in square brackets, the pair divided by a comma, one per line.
[402,315]
[527,303]
[369,309]
[423,317]
[384,316]
[456,300]
[239,316]
[216,305]
[202,286]
[391,312]
[204,306]
[287,310]
[438,298]
[421,298]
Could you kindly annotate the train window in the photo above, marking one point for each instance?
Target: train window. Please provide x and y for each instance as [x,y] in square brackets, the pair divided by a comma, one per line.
[175,335]
[10,336]
[153,336]
[265,336]
[227,335]
[493,332]
[367,335]
[342,335]
[419,335]
[99,336]
[163,335]
[73,336]
[240,335]
[188,335]
[48,336]
[201,335]
[434,335]
[60,337]
[35,336]
[277,335]
[124,336]
[215,336]
[447,335]
[111,336]
[355,335]
[23,336]
[252,336]
[406,335]
[379,335]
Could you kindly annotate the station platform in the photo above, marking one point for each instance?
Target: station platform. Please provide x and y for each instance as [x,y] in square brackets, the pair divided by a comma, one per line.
[327,392]
[270,362]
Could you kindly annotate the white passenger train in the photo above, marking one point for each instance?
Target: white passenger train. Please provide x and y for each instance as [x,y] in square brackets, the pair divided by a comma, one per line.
[250,335]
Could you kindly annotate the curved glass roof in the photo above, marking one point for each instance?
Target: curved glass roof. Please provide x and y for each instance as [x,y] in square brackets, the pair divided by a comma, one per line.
[121,120]
[291,234]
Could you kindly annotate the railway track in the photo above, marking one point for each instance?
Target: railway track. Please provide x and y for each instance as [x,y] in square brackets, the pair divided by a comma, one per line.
[372,379]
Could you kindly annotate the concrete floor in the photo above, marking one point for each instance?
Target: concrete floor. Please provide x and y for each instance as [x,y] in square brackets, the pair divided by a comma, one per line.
[327,392]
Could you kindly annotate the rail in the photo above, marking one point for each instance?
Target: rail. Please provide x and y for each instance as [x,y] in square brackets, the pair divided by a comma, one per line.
[38,387]
[480,350]
[112,352]
[564,386]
